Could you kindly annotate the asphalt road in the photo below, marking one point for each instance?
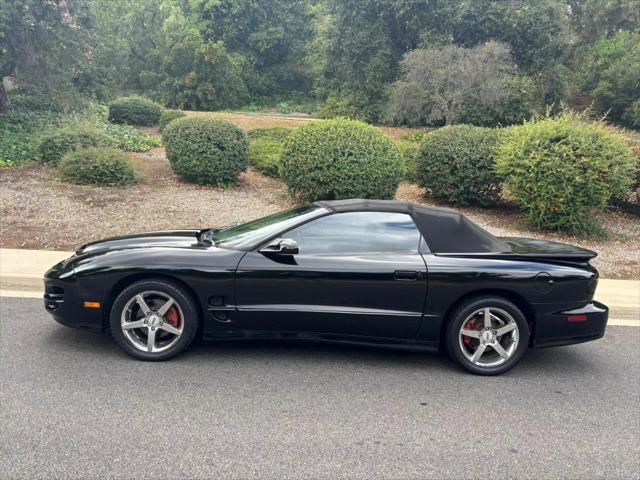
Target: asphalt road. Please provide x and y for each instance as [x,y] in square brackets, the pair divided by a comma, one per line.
[74,406]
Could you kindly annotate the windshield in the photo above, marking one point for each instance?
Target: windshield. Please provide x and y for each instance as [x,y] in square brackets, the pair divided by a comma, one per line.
[251,234]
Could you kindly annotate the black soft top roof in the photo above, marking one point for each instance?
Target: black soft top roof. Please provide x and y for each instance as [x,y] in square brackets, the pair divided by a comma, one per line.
[445,230]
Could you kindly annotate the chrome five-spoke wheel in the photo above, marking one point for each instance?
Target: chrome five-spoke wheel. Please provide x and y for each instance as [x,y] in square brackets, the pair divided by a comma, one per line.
[152,321]
[489,337]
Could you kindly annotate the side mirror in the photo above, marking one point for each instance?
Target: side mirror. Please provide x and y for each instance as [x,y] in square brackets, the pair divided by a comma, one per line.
[281,246]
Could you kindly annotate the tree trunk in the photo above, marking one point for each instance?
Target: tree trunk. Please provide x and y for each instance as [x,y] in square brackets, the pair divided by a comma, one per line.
[4,99]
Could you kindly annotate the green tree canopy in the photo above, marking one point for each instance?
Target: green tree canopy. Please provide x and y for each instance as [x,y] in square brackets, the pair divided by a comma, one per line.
[42,45]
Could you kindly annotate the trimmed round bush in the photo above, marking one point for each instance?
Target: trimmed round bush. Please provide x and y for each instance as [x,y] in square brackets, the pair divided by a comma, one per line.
[340,158]
[207,151]
[456,164]
[98,166]
[169,115]
[63,140]
[561,171]
[135,111]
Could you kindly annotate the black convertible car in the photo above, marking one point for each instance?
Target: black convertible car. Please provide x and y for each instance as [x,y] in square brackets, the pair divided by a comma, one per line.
[360,271]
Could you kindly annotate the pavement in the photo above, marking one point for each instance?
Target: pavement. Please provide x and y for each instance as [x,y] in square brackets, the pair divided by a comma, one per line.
[21,273]
[74,406]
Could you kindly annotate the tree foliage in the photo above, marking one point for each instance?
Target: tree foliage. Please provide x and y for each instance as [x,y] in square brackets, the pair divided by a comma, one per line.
[610,74]
[437,84]
[42,44]
[347,54]
[595,19]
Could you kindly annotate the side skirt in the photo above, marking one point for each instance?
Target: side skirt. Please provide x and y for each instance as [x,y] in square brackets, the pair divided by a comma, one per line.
[394,343]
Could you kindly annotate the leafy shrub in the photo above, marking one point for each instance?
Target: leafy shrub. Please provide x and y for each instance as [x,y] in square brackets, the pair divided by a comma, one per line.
[561,171]
[59,142]
[409,154]
[20,135]
[134,111]
[351,106]
[523,100]
[265,149]
[168,115]
[340,159]
[283,107]
[437,84]
[409,147]
[632,115]
[608,72]
[98,166]
[456,164]
[206,150]
[416,137]
[129,138]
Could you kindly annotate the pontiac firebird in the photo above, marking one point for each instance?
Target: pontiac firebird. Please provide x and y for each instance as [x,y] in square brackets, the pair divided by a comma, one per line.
[361,271]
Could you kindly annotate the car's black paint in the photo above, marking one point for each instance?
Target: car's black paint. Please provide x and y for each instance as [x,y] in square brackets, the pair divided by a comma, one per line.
[400,300]
[365,295]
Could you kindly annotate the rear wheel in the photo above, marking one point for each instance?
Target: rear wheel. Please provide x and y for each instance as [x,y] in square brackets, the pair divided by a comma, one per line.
[487,335]
[154,320]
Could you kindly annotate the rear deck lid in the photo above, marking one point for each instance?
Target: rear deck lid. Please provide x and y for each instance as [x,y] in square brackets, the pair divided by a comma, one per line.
[545,249]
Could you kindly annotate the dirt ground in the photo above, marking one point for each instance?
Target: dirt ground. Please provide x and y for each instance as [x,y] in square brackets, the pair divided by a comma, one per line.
[40,212]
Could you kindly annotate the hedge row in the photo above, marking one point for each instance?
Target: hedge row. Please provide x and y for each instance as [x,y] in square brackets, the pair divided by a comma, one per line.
[560,171]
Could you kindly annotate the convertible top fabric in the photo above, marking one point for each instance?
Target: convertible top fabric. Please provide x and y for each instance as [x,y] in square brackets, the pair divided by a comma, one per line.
[445,230]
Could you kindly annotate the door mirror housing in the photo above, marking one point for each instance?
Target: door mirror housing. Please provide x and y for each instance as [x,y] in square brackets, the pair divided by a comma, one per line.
[281,246]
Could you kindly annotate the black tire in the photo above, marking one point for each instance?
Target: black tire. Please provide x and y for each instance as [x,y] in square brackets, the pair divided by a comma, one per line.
[461,315]
[189,310]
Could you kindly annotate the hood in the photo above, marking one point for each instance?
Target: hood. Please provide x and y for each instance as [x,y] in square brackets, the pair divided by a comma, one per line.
[545,249]
[173,238]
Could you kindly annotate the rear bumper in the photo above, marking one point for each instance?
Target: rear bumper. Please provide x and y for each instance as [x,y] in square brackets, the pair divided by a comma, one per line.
[568,327]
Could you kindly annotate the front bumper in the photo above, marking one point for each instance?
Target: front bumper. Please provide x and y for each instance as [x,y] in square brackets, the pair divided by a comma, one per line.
[64,300]
[568,327]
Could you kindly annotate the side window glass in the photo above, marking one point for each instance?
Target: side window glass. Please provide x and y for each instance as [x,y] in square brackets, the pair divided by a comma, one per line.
[357,232]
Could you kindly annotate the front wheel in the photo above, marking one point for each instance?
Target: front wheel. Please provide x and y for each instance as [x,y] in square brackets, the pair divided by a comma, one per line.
[154,320]
[487,335]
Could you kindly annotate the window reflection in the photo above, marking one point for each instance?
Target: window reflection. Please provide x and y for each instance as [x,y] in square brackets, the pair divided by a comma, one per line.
[357,232]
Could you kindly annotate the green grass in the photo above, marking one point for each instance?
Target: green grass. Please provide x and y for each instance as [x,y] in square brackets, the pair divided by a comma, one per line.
[265,149]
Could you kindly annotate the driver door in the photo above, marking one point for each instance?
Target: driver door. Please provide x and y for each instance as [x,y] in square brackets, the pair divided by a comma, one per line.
[355,273]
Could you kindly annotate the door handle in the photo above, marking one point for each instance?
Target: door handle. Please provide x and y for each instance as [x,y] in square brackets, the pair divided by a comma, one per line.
[406,275]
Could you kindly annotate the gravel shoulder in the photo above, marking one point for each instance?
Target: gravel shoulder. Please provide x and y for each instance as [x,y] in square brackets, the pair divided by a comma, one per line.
[40,212]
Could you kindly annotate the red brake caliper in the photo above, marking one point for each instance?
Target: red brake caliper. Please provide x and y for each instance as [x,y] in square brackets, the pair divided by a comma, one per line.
[173,317]
[467,326]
